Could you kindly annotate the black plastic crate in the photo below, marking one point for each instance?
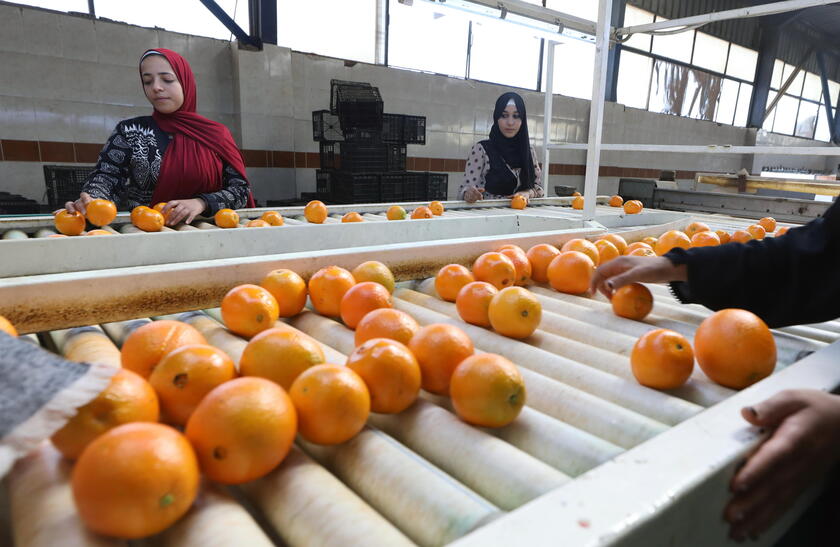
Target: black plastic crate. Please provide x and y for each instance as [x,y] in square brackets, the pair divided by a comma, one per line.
[323,182]
[363,157]
[393,128]
[335,85]
[326,127]
[356,187]
[414,129]
[392,186]
[437,186]
[416,186]
[64,183]
[358,107]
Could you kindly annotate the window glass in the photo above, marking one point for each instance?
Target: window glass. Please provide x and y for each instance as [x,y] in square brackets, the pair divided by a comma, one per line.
[635,16]
[743,108]
[776,79]
[806,122]
[834,90]
[741,62]
[813,87]
[786,115]
[574,63]
[410,46]
[710,52]
[334,28]
[513,61]
[634,79]
[728,100]
[188,16]
[768,123]
[674,46]
[822,133]
[795,87]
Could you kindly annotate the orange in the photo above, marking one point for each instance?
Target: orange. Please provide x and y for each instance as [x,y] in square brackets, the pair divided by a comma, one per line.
[437,208]
[273,217]
[315,212]
[374,271]
[473,302]
[521,264]
[288,289]
[422,212]
[637,245]
[781,231]
[633,207]
[741,236]
[242,430]
[226,218]
[361,299]
[257,223]
[670,240]
[69,224]
[571,272]
[99,233]
[642,251]
[575,194]
[159,207]
[606,251]
[768,223]
[333,404]
[616,201]
[650,240]
[705,239]
[487,390]
[147,219]
[518,201]
[723,235]
[327,287]
[735,348]
[662,359]
[7,327]
[439,348]
[249,309]
[450,279]
[515,312]
[56,235]
[696,227]
[352,217]
[583,246]
[186,375]
[757,231]
[540,256]
[395,212]
[496,269]
[101,212]
[147,345]
[619,242]
[128,398]
[386,323]
[391,374]
[280,355]
[577,203]
[633,301]
[135,480]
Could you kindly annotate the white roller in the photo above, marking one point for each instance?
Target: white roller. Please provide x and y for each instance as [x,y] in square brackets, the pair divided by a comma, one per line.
[120,330]
[87,345]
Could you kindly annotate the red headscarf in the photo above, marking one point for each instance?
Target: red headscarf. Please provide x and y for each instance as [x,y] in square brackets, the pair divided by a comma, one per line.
[192,163]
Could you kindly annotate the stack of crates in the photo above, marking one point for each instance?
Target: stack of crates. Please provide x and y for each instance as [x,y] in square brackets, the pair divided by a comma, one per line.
[363,150]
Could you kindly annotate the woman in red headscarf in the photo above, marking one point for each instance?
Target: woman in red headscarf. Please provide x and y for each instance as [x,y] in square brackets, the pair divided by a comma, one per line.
[175,155]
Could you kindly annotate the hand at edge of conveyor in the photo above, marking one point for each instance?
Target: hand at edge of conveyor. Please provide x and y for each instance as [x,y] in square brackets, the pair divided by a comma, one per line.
[635,269]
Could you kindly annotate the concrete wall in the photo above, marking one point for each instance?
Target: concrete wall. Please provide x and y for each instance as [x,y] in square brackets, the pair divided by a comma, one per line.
[70,79]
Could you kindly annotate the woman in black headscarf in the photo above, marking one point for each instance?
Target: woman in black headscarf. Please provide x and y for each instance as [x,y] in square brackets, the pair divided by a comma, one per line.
[506,163]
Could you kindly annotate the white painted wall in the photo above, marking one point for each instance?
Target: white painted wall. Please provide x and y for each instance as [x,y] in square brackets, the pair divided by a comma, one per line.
[67,78]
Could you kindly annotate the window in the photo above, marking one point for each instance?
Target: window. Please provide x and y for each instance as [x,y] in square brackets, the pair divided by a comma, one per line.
[634,79]
[574,64]
[424,39]
[710,53]
[742,110]
[771,118]
[674,46]
[813,87]
[513,61]
[786,115]
[329,27]
[190,17]
[634,16]
[741,63]
[806,121]
[822,133]
[728,101]
[80,6]
[800,112]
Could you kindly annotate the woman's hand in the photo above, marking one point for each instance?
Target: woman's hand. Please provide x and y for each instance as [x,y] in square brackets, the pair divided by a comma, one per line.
[635,269]
[184,210]
[78,205]
[804,445]
[473,194]
[524,193]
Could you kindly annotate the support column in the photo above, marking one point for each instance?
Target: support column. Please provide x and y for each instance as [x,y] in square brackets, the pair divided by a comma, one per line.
[767,52]
[263,19]
[613,62]
[833,118]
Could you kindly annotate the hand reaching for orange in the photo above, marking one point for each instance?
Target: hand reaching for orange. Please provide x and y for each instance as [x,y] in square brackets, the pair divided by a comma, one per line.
[635,269]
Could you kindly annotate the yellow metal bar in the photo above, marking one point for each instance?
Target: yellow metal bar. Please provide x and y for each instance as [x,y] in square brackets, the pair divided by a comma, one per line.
[788,185]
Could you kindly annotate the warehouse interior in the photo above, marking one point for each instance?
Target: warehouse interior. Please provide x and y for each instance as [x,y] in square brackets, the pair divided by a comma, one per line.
[709,114]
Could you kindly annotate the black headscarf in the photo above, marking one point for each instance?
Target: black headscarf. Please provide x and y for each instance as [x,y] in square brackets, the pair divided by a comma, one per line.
[514,151]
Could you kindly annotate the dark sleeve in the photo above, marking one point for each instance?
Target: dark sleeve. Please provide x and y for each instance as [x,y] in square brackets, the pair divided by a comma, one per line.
[233,195]
[111,174]
[789,280]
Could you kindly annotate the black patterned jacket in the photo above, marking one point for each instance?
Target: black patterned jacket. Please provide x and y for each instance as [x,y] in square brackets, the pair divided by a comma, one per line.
[129,165]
